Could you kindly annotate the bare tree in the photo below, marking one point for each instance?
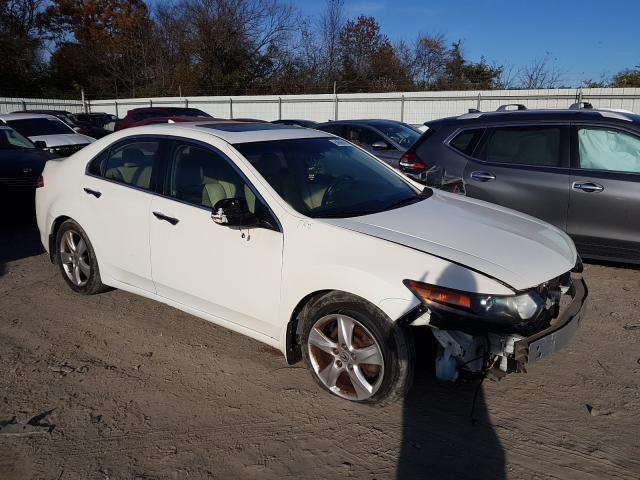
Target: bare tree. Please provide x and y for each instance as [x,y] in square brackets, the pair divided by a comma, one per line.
[332,23]
[430,54]
[540,73]
[507,78]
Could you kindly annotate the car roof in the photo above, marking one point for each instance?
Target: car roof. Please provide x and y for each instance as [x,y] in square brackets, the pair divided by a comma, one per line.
[367,121]
[163,108]
[539,115]
[25,116]
[235,132]
[45,111]
[282,120]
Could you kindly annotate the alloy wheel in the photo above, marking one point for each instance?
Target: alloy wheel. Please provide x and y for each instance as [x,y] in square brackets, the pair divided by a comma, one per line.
[346,357]
[74,256]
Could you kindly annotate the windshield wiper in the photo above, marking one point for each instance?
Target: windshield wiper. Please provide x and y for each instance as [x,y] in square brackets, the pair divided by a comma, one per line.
[425,193]
[346,213]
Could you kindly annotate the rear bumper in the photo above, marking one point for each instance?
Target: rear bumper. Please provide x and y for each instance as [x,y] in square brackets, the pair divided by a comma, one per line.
[545,343]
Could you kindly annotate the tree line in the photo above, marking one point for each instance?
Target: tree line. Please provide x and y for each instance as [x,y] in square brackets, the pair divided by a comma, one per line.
[126,48]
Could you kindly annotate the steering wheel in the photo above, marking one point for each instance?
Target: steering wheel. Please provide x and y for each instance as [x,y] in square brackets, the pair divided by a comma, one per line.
[328,194]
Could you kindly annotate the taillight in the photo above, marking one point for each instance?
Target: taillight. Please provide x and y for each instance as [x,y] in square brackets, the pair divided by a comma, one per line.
[410,160]
[40,182]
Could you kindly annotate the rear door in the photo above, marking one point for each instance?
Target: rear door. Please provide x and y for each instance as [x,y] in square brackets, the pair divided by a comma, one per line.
[605,192]
[523,167]
[119,186]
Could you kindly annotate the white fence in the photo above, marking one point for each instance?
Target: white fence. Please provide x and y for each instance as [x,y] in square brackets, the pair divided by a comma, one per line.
[9,105]
[410,107]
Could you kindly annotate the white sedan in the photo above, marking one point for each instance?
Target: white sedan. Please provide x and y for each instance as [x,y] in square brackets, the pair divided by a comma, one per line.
[309,244]
[48,132]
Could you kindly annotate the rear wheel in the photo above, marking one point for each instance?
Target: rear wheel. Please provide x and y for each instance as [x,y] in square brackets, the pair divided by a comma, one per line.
[355,351]
[77,260]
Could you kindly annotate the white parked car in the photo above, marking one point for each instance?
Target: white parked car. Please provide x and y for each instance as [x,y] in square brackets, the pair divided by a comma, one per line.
[305,242]
[48,132]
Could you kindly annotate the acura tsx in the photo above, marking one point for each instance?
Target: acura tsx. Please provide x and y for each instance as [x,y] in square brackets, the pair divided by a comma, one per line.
[306,242]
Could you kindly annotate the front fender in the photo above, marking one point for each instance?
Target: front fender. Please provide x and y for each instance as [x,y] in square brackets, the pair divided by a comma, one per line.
[319,257]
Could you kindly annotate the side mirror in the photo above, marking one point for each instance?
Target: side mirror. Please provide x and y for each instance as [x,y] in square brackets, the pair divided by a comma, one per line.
[380,145]
[40,144]
[233,212]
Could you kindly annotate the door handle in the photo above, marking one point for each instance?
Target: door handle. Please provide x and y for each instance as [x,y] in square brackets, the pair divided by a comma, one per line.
[483,176]
[166,218]
[95,193]
[588,187]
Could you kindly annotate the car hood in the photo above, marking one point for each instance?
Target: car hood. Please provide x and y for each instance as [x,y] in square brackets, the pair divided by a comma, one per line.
[514,248]
[62,139]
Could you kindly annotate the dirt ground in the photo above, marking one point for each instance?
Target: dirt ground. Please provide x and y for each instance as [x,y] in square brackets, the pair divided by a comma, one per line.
[126,388]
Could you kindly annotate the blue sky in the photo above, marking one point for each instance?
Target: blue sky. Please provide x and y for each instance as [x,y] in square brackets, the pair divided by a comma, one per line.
[586,38]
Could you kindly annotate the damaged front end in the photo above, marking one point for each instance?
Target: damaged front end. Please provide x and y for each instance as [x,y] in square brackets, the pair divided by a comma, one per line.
[501,333]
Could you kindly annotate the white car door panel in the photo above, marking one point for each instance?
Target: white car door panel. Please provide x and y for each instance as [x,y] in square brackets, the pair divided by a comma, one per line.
[122,237]
[228,272]
[120,184]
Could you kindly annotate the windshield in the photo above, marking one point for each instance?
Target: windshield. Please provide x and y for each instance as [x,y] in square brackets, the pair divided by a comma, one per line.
[404,135]
[328,177]
[34,127]
[12,140]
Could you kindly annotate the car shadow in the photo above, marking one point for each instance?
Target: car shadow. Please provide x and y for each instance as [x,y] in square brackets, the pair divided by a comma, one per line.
[19,236]
[446,429]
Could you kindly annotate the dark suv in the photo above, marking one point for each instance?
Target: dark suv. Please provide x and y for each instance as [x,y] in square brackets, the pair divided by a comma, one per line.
[578,169]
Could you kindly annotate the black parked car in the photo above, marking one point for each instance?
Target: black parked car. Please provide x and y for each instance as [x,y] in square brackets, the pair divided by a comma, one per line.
[21,163]
[578,169]
[386,139]
[103,121]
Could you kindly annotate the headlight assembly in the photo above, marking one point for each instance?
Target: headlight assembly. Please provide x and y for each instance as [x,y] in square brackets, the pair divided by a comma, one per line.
[514,308]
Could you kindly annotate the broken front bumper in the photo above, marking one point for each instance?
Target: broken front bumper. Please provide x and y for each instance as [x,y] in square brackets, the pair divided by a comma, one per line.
[543,344]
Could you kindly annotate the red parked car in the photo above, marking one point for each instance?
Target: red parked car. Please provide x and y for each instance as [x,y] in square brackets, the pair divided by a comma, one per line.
[137,115]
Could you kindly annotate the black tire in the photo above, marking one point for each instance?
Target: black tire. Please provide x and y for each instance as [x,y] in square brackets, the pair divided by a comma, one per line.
[396,344]
[90,284]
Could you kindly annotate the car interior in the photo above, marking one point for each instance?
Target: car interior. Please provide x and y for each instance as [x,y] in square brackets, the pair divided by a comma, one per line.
[200,177]
[131,165]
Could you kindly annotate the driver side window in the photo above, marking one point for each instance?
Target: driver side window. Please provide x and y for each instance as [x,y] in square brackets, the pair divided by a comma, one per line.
[203,177]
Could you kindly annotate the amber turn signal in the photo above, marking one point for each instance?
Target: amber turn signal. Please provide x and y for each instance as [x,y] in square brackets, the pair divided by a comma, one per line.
[431,293]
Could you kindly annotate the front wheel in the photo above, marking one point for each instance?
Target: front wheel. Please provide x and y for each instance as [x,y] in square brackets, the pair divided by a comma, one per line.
[355,351]
[77,260]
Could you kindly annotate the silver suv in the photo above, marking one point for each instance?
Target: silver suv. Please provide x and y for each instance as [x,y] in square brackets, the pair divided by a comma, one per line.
[578,169]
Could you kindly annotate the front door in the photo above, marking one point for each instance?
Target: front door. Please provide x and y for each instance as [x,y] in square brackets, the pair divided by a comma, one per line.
[605,199]
[230,273]
[525,168]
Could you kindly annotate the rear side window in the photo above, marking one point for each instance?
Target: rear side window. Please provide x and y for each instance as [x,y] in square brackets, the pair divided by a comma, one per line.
[131,163]
[537,146]
[606,149]
[335,129]
[467,140]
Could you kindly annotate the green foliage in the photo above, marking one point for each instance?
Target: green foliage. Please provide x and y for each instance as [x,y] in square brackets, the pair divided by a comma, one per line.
[627,78]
